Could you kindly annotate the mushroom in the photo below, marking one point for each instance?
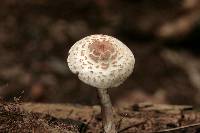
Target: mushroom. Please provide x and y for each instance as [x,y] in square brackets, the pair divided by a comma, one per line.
[103,62]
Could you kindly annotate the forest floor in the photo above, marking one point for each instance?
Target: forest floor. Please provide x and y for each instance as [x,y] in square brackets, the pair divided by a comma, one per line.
[61,118]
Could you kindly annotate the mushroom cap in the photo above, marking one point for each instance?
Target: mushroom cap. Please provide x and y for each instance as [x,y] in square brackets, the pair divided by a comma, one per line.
[101,61]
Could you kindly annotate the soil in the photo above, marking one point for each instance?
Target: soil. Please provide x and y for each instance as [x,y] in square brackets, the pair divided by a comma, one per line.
[35,38]
[14,120]
[139,118]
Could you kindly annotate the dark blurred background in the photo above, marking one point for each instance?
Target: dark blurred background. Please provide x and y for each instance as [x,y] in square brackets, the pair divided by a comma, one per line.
[35,36]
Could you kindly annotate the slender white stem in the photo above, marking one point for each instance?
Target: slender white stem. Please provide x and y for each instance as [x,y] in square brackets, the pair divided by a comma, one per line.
[107,111]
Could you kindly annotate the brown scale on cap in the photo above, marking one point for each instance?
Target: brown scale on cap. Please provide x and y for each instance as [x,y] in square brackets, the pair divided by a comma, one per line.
[104,65]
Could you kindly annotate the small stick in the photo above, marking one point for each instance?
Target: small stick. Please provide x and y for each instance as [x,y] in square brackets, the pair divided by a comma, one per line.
[131,126]
[178,128]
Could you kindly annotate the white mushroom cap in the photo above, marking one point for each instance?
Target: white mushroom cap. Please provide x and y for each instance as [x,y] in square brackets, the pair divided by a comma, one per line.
[101,61]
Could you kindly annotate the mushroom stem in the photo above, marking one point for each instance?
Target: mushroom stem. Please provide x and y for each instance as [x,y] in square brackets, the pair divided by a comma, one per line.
[107,111]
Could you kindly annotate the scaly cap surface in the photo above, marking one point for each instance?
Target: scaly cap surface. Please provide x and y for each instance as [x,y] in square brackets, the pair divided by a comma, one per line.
[101,61]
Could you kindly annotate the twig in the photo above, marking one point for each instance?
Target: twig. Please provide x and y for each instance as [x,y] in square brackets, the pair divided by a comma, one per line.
[178,128]
[131,126]
[118,126]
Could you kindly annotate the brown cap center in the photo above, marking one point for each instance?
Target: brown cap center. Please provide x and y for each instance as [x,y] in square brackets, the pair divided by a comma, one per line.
[101,50]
